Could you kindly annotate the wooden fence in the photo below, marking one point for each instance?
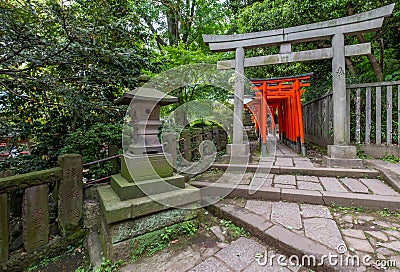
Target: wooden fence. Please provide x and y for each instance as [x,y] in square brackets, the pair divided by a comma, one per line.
[49,206]
[373,117]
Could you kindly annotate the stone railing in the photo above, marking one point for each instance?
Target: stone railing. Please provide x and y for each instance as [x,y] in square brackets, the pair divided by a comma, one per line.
[40,208]
[374,108]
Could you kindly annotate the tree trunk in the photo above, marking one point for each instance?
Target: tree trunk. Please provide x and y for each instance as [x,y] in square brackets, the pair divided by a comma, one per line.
[372,60]
[172,14]
[188,22]
[350,66]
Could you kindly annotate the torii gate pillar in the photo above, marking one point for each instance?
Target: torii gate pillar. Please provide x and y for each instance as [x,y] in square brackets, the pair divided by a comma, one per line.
[340,153]
[237,150]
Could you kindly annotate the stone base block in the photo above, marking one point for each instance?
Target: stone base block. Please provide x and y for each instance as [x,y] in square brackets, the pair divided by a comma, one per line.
[120,231]
[129,190]
[115,210]
[144,167]
[344,163]
[342,151]
[128,248]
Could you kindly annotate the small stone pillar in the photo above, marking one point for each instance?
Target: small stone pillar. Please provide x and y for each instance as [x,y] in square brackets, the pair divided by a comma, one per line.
[4,231]
[70,193]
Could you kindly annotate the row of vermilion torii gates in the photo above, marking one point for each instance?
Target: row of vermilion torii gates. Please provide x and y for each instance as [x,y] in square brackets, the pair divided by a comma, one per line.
[281,97]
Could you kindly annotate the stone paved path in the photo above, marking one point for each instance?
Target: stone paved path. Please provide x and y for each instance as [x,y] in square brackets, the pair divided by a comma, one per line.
[361,233]
[281,155]
[239,255]
[286,157]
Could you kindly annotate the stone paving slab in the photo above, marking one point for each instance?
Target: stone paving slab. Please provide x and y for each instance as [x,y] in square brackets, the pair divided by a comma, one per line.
[332,184]
[284,179]
[303,163]
[390,172]
[308,210]
[312,186]
[211,264]
[281,161]
[240,253]
[281,238]
[354,185]
[276,239]
[286,214]
[378,187]
[310,183]
[323,230]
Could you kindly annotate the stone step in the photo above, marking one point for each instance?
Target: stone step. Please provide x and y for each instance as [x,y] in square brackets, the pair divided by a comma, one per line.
[316,171]
[129,190]
[212,189]
[115,210]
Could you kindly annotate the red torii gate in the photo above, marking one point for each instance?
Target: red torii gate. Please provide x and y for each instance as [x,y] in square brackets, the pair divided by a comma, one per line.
[281,95]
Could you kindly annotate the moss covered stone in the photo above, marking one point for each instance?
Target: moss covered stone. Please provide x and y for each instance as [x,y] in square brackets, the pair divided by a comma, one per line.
[30,179]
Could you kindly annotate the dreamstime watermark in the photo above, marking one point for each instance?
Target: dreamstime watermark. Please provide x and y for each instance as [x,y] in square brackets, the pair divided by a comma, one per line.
[340,258]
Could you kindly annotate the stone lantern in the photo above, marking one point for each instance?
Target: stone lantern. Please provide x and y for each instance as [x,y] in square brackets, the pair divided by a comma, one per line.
[144,159]
[147,195]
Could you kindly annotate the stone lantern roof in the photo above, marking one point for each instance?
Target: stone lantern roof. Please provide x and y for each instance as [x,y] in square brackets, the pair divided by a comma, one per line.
[148,94]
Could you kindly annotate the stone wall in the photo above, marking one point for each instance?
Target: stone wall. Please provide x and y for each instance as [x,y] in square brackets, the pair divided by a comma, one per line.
[41,213]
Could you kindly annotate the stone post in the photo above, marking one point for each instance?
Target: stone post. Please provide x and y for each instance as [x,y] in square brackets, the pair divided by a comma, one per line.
[186,145]
[35,211]
[70,200]
[170,146]
[112,151]
[3,228]
[341,153]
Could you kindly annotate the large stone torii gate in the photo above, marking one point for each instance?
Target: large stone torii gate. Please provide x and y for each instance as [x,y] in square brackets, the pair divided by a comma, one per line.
[340,153]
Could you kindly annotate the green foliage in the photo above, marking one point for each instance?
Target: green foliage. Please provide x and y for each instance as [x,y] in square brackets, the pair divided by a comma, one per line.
[25,164]
[158,240]
[181,22]
[91,142]
[391,158]
[360,153]
[108,266]
[63,65]
[347,209]
[189,228]
[234,230]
